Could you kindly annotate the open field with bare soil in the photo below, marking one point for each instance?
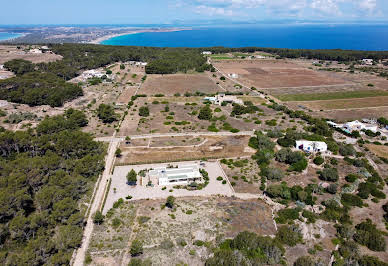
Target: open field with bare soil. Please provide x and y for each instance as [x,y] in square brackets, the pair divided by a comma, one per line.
[343,103]
[275,73]
[379,150]
[169,235]
[178,83]
[331,95]
[214,147]
[8,53]
[352,113]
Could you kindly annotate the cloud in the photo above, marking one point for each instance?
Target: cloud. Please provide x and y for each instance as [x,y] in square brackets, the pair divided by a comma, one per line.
[285,8]
[213,11]
[368,5]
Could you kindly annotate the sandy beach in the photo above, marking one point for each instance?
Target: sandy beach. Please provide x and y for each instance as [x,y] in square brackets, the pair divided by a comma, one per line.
[110,36]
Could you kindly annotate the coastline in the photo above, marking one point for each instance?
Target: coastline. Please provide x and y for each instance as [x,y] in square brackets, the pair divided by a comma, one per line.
[20,35]
[111,36]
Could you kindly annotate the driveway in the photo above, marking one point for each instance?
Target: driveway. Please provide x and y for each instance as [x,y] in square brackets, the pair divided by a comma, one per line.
[138,192]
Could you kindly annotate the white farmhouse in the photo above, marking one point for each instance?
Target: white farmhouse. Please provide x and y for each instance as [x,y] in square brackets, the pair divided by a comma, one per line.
[368,62]
[311,146]
[219,98]
[92,74]
[357,125]
[35,51]
[176,176]
[206,53]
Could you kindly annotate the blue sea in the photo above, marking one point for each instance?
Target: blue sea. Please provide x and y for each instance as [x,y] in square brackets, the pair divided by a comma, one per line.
[342,36]
[8,35]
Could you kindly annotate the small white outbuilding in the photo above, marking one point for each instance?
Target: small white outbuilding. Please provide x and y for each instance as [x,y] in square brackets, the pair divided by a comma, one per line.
[311,146]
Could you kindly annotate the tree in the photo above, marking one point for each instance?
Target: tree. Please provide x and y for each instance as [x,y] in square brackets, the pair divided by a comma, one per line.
[106,113]
[144,111]
[205,113]
[329,174]
[98,218]
[136,248]
[318,160]
[304,261]
[289,235]
[132,177]
[122,66]
[347,150]
[170,202]
[77,117]
[272,173]
[118,152]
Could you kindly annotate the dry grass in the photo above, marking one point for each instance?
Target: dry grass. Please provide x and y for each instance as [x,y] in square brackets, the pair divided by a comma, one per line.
[379,150]
[346,103]
[215,147]
[145,220]
[178,83]
[273,74]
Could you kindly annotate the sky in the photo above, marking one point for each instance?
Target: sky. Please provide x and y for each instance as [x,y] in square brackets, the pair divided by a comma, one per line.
[171,11]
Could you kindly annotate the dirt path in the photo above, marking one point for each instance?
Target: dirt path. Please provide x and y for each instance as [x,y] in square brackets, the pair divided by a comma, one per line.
[96,204]
[188,134]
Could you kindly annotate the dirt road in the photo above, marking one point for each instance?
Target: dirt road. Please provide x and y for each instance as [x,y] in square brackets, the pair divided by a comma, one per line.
[189,134]
[96,204]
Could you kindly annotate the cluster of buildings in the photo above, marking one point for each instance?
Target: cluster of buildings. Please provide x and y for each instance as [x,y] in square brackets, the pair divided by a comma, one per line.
[356,125]
[220,98]
[183,175]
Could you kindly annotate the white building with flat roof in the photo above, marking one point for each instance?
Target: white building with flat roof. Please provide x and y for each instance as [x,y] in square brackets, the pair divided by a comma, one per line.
[206,53]
[233,75]
[357,125]
[219,98]
[311,146]
[368,62]
[176,176]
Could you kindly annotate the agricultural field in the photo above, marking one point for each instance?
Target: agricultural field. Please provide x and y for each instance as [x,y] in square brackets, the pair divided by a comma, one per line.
[379,150]
[184,234]
[178,83]
[192,149]
[331,95]
[266,74]
[181,114]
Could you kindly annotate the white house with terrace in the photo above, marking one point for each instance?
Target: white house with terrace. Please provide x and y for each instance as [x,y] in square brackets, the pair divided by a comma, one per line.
[311,146]
[182,175]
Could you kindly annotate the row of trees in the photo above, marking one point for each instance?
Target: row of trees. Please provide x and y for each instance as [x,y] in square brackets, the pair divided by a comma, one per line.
[323,54]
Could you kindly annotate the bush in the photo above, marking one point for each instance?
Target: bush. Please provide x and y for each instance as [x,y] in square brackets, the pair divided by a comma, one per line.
[289,235]
[286,215]
[351,178]
[205,113]
[98,218]
[329,174]
[272,173]
[199,243]
[136,248]
[332,188]
[106,113]
[318,160]
[144,111]
[348,199]
[304,261]
[347,150]
[170,202]
[132,177]
[367,235]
